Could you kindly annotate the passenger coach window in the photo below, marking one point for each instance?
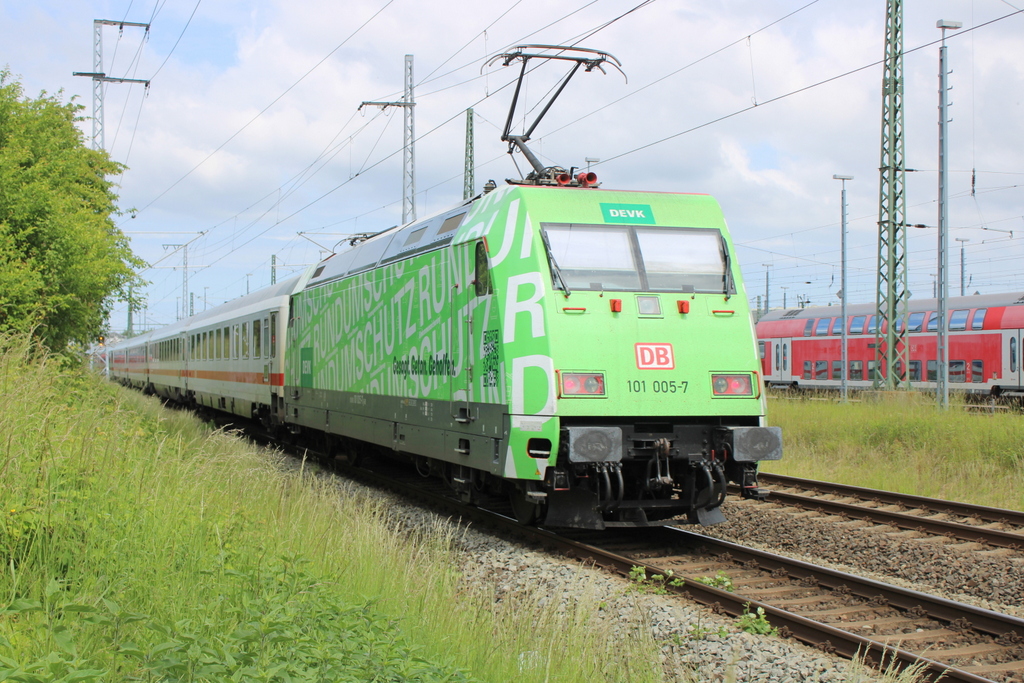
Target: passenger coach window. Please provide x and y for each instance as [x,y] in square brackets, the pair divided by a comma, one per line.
[915,371]
[857,325]
[273,335]
[872,325]
[807,369]
[837,369]
[777,350]
[245,340]
[933,321]
[837,328]
[821,369]
[785,355]
[957,371]
[760,350]
[856,369]
[226,349]
[1013,354]
[266,338]
[978,321]
[977,371]
[809,327]
[218,345]
[256,338]
[916,319]
[821,329]
[933,371]
[958,320]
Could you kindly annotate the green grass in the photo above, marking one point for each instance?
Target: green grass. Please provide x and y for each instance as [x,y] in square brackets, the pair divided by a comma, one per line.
[904,443]
[139,544]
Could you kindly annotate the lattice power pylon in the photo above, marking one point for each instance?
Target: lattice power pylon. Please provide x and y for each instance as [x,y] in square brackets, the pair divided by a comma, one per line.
[468,176]
[892,294]
[99,78]
[407,103]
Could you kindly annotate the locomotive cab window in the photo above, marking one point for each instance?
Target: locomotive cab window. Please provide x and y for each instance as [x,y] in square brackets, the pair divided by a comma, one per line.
[627,258]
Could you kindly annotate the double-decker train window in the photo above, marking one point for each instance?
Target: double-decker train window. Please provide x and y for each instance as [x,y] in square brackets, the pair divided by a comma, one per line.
[809,327]
[807,369]
[977,371]
[915,322]
[958,319]
[821,329]
[933,371]
[915,371]
[933,321]
[856,369]
[821,369]
[978,321]
[872,327]
[875,371]
[957,371]
[857,324]
[837,326]
[837,369]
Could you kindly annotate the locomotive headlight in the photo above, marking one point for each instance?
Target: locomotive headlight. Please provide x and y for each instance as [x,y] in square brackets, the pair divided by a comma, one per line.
[731,385]
[582,384]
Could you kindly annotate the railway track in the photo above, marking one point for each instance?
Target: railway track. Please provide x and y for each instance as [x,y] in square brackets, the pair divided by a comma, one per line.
[835,611]
[993,527]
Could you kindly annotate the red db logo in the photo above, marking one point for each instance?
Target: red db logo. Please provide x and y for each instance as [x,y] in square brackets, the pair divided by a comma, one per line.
[655,357]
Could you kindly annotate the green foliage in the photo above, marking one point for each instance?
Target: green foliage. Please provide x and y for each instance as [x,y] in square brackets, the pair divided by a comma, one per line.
[756,622]
[62,259]
[137,543]
[719,580]
[903,442]
[281,624]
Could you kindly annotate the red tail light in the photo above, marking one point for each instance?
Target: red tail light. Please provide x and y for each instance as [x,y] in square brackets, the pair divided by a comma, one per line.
[582,384]
[732,385]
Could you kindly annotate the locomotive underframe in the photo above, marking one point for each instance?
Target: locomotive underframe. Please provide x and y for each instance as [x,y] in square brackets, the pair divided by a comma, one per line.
[659,469]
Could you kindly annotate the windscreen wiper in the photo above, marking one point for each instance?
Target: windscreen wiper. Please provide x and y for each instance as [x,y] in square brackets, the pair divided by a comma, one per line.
[556,274]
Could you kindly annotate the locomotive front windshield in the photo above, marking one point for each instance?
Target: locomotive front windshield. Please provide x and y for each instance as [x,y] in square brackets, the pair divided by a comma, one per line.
[634,258]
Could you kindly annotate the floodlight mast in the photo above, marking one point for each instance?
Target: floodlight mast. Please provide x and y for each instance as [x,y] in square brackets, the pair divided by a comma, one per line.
[589,60]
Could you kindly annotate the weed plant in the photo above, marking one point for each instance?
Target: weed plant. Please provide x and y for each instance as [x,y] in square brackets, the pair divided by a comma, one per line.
[140,544]
[904,443]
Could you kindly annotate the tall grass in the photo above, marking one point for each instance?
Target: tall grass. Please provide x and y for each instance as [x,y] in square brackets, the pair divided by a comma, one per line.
[904,443]
[140,543]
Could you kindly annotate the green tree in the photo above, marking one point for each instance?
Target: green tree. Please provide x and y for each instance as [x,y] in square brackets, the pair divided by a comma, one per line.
[63,261]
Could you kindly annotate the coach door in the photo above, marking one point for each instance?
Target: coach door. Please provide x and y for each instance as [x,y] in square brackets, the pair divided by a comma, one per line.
[1012,370]
[784,359]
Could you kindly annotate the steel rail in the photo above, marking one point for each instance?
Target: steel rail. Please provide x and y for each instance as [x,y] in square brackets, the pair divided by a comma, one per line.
[967,532]
[988,514]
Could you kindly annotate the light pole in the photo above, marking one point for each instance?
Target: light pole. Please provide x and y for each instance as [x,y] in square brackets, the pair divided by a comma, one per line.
[942,348]
[963,284]
[842,286]
[766,286]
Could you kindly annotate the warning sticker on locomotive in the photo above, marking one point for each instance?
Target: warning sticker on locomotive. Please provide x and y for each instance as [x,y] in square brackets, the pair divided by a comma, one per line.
[655,357]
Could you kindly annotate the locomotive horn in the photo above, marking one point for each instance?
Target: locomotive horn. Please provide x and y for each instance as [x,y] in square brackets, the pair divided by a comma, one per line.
[563,178]
[587,178]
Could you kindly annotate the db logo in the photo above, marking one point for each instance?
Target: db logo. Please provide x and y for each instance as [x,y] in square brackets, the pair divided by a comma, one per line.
[654,357]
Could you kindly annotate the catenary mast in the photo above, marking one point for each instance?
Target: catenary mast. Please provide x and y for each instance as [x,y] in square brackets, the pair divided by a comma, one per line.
[892,296]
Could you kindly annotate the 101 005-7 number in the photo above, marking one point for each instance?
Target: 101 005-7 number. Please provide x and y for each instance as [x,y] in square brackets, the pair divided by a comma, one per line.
[658,386]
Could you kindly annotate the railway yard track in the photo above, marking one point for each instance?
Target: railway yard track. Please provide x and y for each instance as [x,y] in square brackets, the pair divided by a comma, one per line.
[838,612]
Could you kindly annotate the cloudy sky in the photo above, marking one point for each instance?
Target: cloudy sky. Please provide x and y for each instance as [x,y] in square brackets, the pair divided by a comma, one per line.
[250,132]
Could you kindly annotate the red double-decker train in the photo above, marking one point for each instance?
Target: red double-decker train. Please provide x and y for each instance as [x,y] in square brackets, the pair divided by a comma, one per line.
[801,347]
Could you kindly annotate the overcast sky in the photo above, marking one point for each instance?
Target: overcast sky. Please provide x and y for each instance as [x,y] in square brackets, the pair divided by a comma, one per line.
[250,132]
